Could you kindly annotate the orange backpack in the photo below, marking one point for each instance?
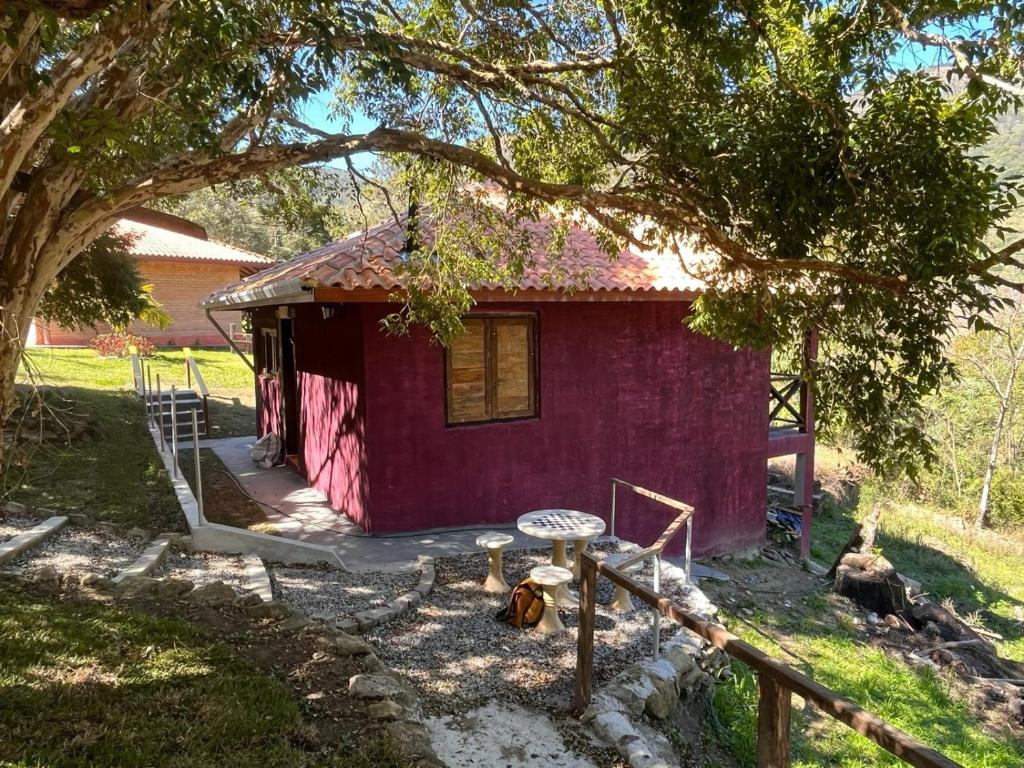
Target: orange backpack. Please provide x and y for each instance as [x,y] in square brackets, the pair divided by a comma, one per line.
[525,606]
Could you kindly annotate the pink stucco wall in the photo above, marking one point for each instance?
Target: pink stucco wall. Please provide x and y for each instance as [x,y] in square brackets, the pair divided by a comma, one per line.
[625,390]
[329,358]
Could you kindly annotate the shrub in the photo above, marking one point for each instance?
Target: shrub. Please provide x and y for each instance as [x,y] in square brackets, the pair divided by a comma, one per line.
[119,344]
[1006,505]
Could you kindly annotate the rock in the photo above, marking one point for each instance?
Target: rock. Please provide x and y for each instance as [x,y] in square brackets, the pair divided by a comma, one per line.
[176,540]
[248,600]
[213,594]
[367,620]
[15,509]
[351,626]
[872,619]
[661,702]
[273,609]
[47,579]
[134,586]
[76,518]
[813,567]
[378,686]
[413,742]
[172,589]
[97,582]
[294,623]
[137,533]
[350,645]
[385,710]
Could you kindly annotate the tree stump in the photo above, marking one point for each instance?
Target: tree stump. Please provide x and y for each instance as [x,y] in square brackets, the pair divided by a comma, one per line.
[872,583]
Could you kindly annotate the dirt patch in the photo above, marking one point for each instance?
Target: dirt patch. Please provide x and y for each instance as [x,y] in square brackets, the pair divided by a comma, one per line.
[223,500]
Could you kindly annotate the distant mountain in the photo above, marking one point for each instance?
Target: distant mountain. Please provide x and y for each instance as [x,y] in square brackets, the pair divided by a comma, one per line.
[1006,150]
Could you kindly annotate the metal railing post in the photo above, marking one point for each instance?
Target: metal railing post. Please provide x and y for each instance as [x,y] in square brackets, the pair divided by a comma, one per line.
[199,471]
[174,431]
[149,400]
[160,413]
[613,508]
[689,547]
[655,612]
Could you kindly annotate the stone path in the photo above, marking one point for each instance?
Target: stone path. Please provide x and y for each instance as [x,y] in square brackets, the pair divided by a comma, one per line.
[504,736]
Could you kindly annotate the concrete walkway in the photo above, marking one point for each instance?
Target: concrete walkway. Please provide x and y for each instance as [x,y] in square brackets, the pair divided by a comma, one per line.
[303,513]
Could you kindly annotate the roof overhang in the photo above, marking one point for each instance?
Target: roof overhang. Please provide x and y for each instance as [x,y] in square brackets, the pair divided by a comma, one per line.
[286,292]
[372,295]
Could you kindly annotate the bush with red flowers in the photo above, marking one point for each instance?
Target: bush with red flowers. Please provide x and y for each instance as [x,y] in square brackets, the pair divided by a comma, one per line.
[119,344]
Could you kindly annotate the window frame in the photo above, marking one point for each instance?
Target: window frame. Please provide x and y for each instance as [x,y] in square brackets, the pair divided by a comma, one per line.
[490,369]
[271,334]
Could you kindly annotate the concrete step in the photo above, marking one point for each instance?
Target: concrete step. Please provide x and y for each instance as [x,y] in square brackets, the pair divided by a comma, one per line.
[150,558]
[257,578]
[23,542]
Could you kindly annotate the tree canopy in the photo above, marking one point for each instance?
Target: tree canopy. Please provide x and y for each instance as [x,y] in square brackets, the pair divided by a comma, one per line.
[835,178]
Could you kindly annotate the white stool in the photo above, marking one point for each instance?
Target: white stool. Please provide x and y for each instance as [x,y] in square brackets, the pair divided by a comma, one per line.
[494,543]
[551,578]
[622,602]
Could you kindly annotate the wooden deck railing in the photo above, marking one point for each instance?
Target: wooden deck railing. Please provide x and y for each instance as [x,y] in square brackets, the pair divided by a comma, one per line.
[786,402]
[776,680]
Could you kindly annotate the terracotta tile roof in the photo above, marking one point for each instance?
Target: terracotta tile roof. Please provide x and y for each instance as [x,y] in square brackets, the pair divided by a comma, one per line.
[152,242]
[367,260]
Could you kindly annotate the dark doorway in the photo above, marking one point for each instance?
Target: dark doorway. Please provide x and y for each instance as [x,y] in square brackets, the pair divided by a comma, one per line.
[289,388]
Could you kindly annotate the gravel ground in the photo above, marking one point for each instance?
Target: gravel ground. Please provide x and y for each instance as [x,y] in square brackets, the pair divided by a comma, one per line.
[203,568]
[460,656]
[329,591]
[80,551]
[12,526]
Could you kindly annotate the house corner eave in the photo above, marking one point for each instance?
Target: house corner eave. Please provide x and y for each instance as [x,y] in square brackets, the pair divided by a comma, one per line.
[290,292]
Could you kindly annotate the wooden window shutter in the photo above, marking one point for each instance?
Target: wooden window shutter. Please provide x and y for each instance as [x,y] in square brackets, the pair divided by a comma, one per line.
[512,375]
[467,374]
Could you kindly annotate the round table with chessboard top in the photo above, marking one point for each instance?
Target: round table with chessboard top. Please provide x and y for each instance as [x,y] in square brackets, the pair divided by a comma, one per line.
[559,526]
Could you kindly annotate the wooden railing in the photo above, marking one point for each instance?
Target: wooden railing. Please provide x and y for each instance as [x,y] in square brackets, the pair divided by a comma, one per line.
[786,402]
[777,681]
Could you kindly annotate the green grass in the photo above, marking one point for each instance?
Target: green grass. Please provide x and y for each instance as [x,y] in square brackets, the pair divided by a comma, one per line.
[229,380]
[117,476]
[915,701]
[979,573]
[91,685]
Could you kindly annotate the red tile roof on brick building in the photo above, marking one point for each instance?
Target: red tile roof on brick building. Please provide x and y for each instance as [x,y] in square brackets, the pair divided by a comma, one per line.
[151,241]
[364,264]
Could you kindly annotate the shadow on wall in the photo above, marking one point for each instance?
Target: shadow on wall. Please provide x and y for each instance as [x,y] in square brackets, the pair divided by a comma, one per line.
[333,441]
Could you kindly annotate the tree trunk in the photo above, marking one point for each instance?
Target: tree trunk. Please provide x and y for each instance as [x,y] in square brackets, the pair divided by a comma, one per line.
[993,455]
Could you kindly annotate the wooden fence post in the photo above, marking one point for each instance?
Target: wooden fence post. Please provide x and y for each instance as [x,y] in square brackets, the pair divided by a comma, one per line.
[773,714]
[585,641]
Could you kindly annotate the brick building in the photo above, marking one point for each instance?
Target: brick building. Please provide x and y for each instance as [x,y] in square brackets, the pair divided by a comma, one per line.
[184,266]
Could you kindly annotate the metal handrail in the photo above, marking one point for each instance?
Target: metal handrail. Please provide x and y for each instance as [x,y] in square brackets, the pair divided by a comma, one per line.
[661,498]
[654,551]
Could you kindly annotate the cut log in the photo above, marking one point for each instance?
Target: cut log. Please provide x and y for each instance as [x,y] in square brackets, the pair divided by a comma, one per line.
[949,626]
[882,593]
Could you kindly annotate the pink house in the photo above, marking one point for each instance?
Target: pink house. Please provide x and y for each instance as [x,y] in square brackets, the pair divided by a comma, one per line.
[553,389]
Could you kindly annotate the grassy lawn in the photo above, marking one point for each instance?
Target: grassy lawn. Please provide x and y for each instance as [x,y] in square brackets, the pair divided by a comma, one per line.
[116,475]
[232,393]
[87,684]
[812,630]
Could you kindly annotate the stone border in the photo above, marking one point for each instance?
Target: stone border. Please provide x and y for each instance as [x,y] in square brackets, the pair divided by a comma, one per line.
[364,621]
[150,558]
[257,578]
[648,687]
[34,536]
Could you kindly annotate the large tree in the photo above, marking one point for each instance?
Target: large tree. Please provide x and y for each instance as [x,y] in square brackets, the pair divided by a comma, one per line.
[796,139]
